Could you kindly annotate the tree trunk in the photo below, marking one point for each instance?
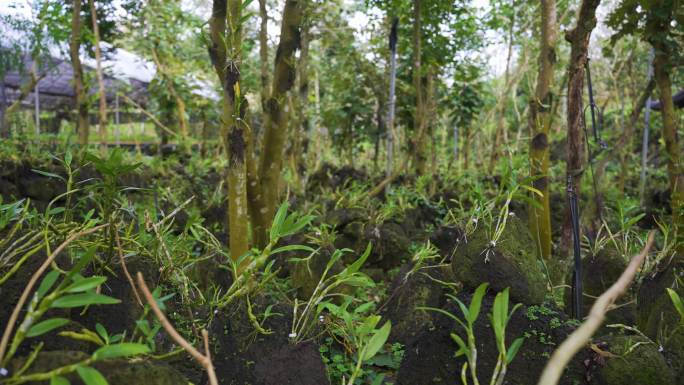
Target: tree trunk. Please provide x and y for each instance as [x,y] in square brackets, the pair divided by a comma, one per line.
[300,124]
[579,43]
[391,139]
[226,52]
[102,121]
[82,122]
[270,165]
[539,124]
[4,127]
[419,153]
[675,171]
[263,53]
[500,130]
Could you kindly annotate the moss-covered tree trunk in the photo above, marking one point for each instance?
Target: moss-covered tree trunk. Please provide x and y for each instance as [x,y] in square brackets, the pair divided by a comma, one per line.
[675,169]
[226,55]
[539,124]
[82,122]
[579,46]
[102,93]
[271,160]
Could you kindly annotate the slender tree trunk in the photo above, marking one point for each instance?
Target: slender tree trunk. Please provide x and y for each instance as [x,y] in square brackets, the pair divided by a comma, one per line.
[505,94]
[391,139]
[226,53]
[466,147]
[4,127]
[419,153]
[270,165]
[579,41]
[82,122]
[300,125]
[102,121]
[675,169]
[539,124]
[646,132]
[263,53]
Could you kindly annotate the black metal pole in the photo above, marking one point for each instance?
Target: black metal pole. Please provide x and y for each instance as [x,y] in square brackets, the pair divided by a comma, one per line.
[577,275]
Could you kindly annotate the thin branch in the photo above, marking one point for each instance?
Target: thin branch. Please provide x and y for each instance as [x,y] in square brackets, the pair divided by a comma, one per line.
[125,269]
[33,281]
[204,360]
[149,115]
[579,338]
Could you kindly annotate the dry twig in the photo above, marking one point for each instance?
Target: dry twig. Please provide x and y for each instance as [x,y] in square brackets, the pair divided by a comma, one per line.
[580,337]
[203,359]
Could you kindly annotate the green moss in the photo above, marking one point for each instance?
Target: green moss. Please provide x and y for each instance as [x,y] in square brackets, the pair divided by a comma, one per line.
[512,262]
[637,362]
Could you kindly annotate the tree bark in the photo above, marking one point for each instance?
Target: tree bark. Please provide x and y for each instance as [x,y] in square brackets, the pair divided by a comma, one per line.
[4,127]
[102,121]
[579,46]
[500,131]
[300,125]
[539,122]
[675,171]
[419,152]
[225,52]
[391,137]
[263,53]
[82,122]
[271,160]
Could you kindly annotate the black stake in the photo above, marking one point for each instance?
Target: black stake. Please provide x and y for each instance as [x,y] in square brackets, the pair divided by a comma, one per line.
[577,274]
[596,127]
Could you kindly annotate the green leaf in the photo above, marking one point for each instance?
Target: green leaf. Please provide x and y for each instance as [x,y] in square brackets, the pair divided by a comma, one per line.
[91,376]
[47,174]
[462,347]
[378,380]
[292,248]
[85,284]
[278,221]
[46,283]
[56,210]
[59,380]
[476,302]
[46,326]
[68,157]
[676,301]
[513,349]
[377,341]
[83,299]
[356,266]
[83,261]
[124,349]
[102,332]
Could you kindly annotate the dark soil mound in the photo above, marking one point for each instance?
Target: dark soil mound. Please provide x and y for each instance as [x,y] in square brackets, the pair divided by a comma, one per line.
[430,358]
